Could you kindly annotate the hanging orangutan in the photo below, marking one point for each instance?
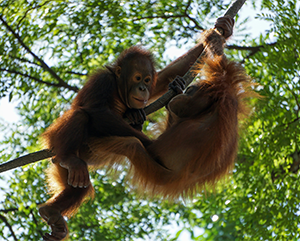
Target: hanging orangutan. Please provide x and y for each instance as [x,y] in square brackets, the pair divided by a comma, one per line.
[120,90]
[199,144]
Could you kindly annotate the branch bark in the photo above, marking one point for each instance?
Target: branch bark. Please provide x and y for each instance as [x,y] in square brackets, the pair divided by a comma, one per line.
[27,159]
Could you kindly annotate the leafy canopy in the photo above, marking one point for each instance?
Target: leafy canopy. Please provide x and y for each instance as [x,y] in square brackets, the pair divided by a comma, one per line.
[47,49]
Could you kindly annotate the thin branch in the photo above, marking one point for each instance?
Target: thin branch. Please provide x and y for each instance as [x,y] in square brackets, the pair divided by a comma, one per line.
[296,97]
[28,10]
[8,210]
[75,73]
[36,64]
[294,167]
[77,48]
[250,48]
[160,16]
[31,77]
[16,209]
[24,60]
[187,6]
[290,123]
[185,15]
[43,64]
[3,218]
[9,226]
[190,18]
[195,22]
[36,222]
[253,49]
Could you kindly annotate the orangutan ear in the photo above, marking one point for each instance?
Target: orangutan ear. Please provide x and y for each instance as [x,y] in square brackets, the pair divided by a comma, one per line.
[118,71]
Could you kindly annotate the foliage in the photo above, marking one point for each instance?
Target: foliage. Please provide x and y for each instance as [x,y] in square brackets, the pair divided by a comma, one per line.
[48,47]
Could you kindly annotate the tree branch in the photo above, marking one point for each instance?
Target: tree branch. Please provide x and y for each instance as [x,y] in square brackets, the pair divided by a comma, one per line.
[290,123]
[189,17]
[8,210]
[16,209]
[43,64]
[27,159]
[75,73]
[253,49]
[4,219]
[29,9]
[9,227]
[294,167]
[187,6]
[31,77]
[36,64]
[24,60]
[159,16]
[36,222]
[185,15]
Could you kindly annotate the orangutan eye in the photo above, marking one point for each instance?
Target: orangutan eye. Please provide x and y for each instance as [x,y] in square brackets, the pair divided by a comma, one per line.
[138,78]
[147,80]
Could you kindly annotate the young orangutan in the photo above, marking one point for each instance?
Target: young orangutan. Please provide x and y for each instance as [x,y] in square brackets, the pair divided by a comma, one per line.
[200,143]
[121,89]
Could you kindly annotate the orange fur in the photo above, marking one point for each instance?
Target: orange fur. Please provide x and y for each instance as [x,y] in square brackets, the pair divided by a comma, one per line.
[97,111]
[58,187]
[200,146]
[93,132]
